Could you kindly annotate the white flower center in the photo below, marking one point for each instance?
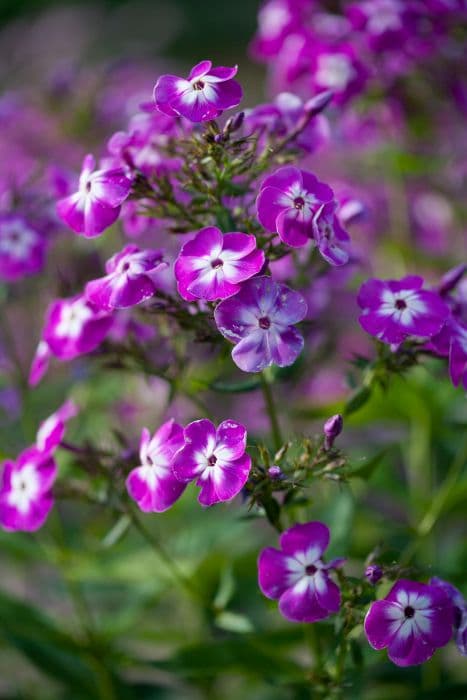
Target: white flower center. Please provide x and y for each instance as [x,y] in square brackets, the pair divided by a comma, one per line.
[334,71]
[17,240]
[24,488]
[72,319]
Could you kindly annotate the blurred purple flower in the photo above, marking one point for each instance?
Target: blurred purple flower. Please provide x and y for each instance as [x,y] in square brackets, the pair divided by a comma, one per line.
[22,248]
[26,491]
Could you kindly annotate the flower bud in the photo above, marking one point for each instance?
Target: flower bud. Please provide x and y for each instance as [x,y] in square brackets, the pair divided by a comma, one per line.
[332,428]
[316,104]
[373,573]
[451,279]
[275,472]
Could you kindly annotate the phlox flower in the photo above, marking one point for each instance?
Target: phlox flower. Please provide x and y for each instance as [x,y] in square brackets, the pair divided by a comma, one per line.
[296,575]
[329,236]
[394,310]
[203,96]
[337,68]
[412,621]
[52,429]
[97,203]
[74,327]
[153,485]
[216,458]
[26,490]
[212,265]
[22,248]
[130,279]
[460,612]
[287,202]
[260,320]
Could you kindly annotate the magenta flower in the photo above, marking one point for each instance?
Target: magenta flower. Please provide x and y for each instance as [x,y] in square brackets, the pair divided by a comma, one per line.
[40,363]
[22,249]
[395,310]
[412,622]
[26,491]
[329,235]
[215,458]
[153,485]
[460,612]
[212,265]
[74,327]
[130,279]
[203,96]
[52,430]
[97,203]
[259,320]
[288,201]
[296,575]
[337,68]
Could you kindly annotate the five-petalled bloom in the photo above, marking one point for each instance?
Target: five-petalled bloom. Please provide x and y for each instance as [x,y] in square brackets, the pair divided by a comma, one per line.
[329,236]
[97,203]
[203,96]
[297,576]
[412,622]
[130,279]
[260,321]
[212,265]
[74,327]
[26,490]
[22,248]
[288,201]
[216,458]
[153,485]
[52,429]
[394,310]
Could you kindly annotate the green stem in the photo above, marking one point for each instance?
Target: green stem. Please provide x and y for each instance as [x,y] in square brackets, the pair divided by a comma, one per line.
[272,412]
[175,571]
[428,521]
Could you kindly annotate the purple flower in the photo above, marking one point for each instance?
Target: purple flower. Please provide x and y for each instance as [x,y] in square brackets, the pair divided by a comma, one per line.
[337,68]
[52,430]
[212,265]
[153,485]
[203,96]
[215,458]
[288,201]
[412,622]
[22,249]
[130,279]
[26,491]
[287,113]
[97,203]
[460,612]
[329,235]
[297,576]
[74,327]
[395,310]
[259,320]
[40,363]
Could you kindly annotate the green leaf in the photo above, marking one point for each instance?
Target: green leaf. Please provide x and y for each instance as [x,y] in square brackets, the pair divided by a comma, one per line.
[236,387]
[366,470]
[50,650]
[234,622]
[358,400]
[245,654]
